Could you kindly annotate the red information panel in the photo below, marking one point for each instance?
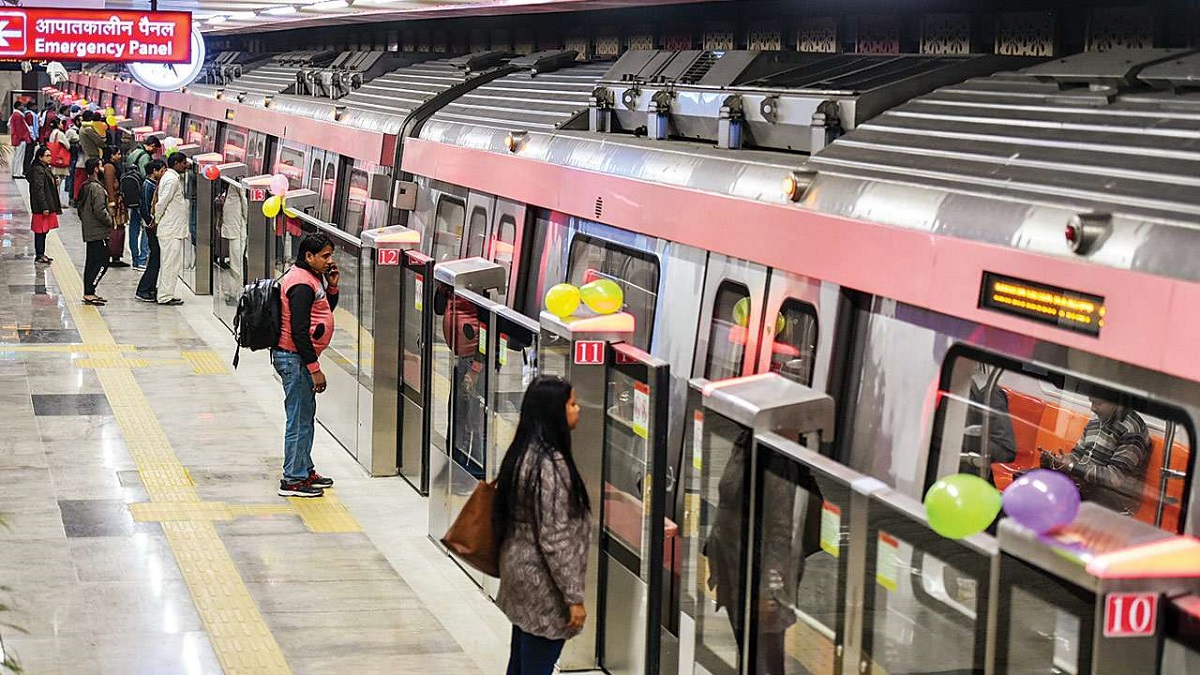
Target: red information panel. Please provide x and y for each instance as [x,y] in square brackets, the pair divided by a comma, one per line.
[589,352]
[1130,614]
[388,257]
[95,35]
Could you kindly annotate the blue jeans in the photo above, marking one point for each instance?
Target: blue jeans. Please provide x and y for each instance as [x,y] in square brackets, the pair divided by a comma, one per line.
[137,250]
[300,404]
[532,655]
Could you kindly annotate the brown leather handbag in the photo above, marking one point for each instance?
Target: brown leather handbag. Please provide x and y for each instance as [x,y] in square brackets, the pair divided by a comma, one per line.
[472,537]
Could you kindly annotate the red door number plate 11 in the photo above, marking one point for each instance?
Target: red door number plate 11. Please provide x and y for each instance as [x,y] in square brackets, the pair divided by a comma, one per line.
[387,257]
[1130,614]
[589,353]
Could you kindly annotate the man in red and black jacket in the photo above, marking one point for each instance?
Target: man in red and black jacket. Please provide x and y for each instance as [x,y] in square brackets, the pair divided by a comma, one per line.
[308,295]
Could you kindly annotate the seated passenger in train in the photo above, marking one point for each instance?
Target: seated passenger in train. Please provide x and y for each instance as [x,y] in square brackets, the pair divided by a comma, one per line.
[1110,458]
[1002,445]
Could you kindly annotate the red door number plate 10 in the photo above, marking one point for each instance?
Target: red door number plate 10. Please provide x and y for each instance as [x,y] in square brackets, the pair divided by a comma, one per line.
[387,257]
[1130,614]
[589,353]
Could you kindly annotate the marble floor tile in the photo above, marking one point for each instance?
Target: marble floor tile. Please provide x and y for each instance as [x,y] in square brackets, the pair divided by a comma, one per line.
[61,405]
[330,557]
[107,608]
[91,482]
[101,518]
[189,653]
[139,557]
[82,429]
[55,655]
[49,336]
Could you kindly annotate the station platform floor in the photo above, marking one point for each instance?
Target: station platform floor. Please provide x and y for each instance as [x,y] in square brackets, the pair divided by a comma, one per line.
[137,480]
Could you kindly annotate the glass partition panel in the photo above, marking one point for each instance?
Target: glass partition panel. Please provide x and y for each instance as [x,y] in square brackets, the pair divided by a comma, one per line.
[1045,624]
[469,449]
[443,369]
[514,367]
[411,340]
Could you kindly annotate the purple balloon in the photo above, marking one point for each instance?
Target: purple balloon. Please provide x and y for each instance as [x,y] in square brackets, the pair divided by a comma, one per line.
[1042,500]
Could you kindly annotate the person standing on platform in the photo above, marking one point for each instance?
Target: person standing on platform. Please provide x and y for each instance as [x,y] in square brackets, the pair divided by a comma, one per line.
[308,295]
[49,114]
[91,145]
[233,230]
[147,290]
[44,204]
[541,520]
[71,129]
[113,168]
[141,155]
[96,224]
[31,121]
[60,151]
[171,227]
[20,136]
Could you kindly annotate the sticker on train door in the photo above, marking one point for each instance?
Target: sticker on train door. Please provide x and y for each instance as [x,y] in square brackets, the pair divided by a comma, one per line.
[419,292]
[887,559]
[831,529]
[698,440]
[503,355]
[482,340]
[641,409]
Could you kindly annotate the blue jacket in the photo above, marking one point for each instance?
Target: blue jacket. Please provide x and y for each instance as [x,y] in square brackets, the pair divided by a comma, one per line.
[148,189]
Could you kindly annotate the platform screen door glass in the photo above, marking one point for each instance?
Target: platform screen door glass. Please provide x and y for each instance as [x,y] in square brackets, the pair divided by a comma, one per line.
[798,567]
[513,365]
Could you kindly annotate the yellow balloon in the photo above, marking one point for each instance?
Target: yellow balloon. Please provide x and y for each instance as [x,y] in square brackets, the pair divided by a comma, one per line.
[112,120]
[741,312]
[780,324]
[603,296]
[271,206]
[109,111]
[562,300]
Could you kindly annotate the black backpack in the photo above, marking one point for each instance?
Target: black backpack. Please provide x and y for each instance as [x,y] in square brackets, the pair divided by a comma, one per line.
[131,187]
[257,323]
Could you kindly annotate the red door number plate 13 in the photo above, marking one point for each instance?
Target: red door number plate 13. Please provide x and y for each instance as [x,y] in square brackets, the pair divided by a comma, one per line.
[388,257]
[1130,614]
[589,352]
[258,194]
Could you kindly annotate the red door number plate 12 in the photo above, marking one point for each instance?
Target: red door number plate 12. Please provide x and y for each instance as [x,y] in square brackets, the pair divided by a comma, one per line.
[1130,614]
[387,257]
[589,353]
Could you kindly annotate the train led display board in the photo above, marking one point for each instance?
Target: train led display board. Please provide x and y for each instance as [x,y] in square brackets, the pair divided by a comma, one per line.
[44,34]
[1071,310]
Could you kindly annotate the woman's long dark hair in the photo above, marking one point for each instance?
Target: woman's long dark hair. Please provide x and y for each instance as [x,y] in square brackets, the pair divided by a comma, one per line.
[542,430]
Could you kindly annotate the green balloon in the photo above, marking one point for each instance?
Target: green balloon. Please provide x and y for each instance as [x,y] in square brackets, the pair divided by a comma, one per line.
[602,296]
[741,312]
[961,505]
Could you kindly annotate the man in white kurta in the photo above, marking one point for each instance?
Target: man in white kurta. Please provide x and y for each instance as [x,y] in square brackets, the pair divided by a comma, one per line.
[171,214]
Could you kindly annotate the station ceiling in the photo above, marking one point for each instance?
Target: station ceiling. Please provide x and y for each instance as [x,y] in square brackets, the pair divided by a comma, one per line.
[219,17]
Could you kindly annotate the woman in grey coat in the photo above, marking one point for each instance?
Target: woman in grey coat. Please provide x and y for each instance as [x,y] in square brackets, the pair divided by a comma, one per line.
[541,518]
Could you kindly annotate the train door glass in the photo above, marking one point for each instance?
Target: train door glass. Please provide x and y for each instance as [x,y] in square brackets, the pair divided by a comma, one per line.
[256,152]
[799,562]
[926,597]
[477,232]
[448,228]
[727,333]
[636,272]
[470,387]
[289,161]
[233,146]
[503,243]
[137,112]
[202,132]
[173,123]
[1124,452]
[712,570]
[514,366]
[633,562]
[794,348]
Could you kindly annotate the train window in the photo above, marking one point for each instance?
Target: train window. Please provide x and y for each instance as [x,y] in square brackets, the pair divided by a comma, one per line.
[256,152]
[356,202]
[448,228]
[795,345]
[502,247]
[636,272]
[1125,452]
[234,148]
[727,332]
[327,189]
[290,162]
[477,232]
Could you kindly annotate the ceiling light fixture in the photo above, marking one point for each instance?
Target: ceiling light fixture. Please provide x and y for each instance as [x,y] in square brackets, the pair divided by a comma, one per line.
[286,10]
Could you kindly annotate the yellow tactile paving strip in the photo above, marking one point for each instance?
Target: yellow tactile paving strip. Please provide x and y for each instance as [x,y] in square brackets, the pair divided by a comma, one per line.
[236,629]
[206,363]
[327,515]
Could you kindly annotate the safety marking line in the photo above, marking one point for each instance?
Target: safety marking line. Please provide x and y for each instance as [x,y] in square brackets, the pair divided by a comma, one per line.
[236,629]
[71,348]
[327,515]
[206,363]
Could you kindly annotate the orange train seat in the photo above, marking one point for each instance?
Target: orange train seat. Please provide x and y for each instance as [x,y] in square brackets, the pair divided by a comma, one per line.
[1026,412]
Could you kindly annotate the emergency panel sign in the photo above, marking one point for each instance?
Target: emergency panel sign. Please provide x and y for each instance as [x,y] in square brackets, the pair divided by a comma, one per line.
[1130,614]
[111,36]
[589,352]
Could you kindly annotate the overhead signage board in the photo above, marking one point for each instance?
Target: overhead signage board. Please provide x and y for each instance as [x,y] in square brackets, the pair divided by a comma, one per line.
[44,34]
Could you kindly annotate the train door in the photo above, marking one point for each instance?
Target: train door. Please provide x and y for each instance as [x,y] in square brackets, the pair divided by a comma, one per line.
[732,305]
[416,370]
[507,232]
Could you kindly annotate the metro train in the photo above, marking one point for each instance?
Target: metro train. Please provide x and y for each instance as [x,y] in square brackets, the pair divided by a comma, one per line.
[974,257]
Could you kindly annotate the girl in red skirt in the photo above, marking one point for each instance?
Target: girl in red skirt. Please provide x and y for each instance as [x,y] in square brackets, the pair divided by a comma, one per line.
[44,204]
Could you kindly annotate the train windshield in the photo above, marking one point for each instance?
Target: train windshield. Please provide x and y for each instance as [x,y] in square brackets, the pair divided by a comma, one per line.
[999,419]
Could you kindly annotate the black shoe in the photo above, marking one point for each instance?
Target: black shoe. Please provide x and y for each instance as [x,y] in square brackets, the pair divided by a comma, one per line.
[145,298]
[173,302]
[118,263]
[302,489]
[317,480]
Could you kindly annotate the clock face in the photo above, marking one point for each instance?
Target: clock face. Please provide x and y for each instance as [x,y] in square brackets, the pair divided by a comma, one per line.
[171,76]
